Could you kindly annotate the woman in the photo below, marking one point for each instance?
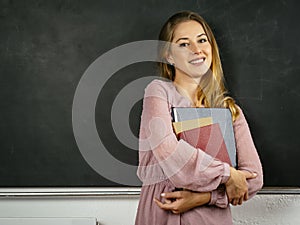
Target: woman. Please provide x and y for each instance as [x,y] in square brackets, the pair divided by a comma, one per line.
[195,80]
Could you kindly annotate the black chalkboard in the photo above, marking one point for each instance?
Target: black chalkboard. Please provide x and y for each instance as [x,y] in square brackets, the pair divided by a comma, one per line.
[47,46]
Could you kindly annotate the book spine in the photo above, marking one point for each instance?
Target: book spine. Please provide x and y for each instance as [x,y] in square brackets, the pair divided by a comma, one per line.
[174,114]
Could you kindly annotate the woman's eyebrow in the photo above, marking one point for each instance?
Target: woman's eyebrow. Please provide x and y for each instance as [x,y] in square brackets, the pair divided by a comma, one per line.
[186,38]
[201,35]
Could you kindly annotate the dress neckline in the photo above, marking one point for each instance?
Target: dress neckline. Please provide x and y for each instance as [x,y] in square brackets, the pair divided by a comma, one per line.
[182,96]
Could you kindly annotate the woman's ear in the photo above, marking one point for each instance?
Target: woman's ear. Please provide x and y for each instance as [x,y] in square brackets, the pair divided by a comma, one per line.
[170,60]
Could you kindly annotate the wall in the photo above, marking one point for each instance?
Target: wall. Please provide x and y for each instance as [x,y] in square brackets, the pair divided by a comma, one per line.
[269,210]
[263,209]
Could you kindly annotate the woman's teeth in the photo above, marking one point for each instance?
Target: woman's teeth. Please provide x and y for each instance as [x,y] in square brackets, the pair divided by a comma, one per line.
[196,61]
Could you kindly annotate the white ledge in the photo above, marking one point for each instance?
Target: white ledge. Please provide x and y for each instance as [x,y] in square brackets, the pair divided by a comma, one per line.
[104,192]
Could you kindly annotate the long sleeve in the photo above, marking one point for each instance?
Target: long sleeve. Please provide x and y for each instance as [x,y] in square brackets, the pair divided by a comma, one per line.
[181,163]
[247,155]
[219,197]
[247,158]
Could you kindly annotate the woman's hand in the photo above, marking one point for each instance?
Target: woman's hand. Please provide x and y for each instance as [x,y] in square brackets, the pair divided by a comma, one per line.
[237,187]
[182,201]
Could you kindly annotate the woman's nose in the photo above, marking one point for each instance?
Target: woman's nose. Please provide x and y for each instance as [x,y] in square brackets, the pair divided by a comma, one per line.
[195,48]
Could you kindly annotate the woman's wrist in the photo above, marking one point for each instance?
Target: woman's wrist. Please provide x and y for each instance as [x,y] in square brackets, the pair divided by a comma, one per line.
[202,198]
[227,173]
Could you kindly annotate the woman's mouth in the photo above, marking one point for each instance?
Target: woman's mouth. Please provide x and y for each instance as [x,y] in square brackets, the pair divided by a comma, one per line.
[197,61]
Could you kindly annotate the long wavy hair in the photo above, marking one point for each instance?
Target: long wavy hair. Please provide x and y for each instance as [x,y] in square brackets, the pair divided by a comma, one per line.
[211,91]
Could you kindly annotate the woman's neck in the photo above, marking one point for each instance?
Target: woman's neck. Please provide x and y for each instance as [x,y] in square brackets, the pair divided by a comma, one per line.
[188,88]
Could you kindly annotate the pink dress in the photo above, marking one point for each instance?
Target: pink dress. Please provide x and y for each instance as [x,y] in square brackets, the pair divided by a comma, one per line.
[166,163]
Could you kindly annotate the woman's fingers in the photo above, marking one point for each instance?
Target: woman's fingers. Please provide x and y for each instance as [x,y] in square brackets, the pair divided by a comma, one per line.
[237,201]
[234,201]
[182,201]
[175,211]
[166,206]
[249,175]
[246,196]
[168,201]
[240,201]
[171,195]
[237,186]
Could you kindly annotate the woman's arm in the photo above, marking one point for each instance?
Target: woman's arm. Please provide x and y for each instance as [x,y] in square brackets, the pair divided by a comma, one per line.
[247,156]
[248,160]
[185,166]
[182,201]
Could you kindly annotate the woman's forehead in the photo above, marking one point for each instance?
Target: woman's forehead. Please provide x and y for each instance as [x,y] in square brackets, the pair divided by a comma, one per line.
[188,29]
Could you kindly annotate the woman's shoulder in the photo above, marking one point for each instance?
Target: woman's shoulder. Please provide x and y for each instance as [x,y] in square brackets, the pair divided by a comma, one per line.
[240,110]
[160,83]
[159,87]
[238,107]
[241,119]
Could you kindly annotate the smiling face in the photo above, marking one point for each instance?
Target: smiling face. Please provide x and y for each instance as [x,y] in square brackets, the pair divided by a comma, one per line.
[191,52]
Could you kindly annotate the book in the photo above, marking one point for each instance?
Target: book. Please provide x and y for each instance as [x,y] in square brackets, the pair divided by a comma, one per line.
[209,129]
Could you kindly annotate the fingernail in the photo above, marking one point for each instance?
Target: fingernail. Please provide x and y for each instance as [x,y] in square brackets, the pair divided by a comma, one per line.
[254,174]
[162,194]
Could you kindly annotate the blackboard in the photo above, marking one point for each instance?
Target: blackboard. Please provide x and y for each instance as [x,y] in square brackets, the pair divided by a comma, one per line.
[47,46]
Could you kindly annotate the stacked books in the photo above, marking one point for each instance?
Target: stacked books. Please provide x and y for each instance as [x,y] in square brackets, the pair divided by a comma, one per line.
[208,129]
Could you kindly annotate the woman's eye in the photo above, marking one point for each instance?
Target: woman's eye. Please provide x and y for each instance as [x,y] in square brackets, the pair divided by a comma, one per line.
[183,45]
[202,40]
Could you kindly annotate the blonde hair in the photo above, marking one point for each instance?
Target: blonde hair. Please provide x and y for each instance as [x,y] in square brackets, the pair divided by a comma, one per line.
[211,90]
